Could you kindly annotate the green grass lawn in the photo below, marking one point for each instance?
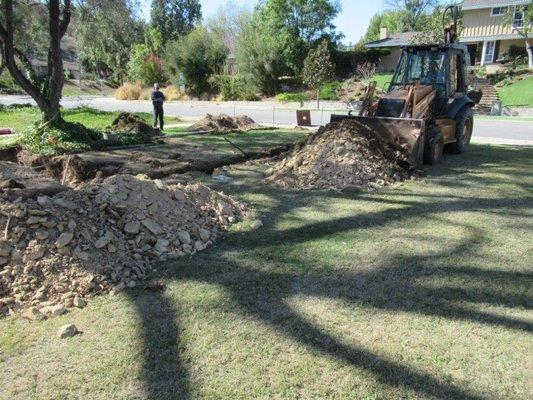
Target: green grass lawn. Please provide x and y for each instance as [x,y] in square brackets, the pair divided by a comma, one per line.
[19,119]
[382,79]
[419,291]
[88,88]
[517,94]
[248,141]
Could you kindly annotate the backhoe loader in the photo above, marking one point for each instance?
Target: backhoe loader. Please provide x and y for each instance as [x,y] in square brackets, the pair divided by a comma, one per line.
[427,106]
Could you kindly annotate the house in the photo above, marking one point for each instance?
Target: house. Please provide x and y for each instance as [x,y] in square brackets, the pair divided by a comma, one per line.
[394,43]
[486,30]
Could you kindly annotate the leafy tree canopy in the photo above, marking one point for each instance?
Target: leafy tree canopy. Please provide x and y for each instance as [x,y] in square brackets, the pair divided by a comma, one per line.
[175,18]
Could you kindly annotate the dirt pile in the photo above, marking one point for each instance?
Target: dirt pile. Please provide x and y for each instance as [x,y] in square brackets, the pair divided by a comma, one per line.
[127,122]
[341,155]
[223,124]
[57,251]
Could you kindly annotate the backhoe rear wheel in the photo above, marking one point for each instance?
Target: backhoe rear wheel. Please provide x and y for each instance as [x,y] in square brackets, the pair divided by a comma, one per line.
[463,134]
[434,148]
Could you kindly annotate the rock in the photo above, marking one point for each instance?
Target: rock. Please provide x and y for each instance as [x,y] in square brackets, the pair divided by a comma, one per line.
[103,241]
[79,302]
[42,235]
[5,250]
[82,255]
[34,314]
[54,311]
[159,184]
[64,239]
[204,234]
[256,224]
[152,226]
[199,246]
[132,228]
[162,245]
[3,261]
[67,331]
[33,220]
[34,254]
[184,237]
[69,205]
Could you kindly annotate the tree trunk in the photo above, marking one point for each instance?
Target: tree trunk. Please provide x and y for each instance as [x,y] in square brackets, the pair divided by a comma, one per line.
[48,99]
[529,48]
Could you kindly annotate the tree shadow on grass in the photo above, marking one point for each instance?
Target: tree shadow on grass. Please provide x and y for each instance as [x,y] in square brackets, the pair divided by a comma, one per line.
[397,284]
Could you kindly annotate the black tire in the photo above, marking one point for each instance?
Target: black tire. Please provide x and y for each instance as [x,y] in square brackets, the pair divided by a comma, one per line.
[463,132]
[433,148]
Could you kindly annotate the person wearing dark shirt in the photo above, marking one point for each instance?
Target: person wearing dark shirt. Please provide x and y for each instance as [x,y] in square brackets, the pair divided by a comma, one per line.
[158,98]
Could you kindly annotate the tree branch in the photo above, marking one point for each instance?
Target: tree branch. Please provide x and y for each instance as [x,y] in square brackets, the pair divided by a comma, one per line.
[65,21]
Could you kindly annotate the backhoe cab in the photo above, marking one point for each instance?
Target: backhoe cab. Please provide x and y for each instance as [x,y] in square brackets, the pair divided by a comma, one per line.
[427,106]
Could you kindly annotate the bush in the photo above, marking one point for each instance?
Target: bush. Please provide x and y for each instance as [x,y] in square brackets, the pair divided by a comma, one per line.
[172,93]
[198,56]
[129,91]
[329,91]
[145,66]
[41,138]
[235,88]
[292,97]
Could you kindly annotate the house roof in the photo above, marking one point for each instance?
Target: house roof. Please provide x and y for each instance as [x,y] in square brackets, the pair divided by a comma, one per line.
[396,40]
[479,4]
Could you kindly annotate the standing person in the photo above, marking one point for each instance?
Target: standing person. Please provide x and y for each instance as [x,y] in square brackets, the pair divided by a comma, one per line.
[158,98]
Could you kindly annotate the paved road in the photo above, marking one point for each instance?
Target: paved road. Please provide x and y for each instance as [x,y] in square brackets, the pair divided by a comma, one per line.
[485,131]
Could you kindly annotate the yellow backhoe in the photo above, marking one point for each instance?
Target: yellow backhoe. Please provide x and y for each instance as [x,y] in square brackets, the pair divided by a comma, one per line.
[427,106]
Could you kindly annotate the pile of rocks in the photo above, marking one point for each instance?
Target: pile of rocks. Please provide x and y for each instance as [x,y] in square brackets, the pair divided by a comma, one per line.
[339,156]
[223,124]
[55,252]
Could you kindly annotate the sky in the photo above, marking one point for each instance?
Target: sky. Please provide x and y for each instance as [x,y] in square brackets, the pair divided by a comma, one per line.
[352,21]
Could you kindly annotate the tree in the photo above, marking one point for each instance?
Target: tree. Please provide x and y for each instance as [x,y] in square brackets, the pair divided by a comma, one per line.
[318,68]
[413,12]
[175,18]
[106,30]
[525,29]
[46,91]
[260,55]
[298,25]
[387,19]
[145,66]
[228,24]
[198,56]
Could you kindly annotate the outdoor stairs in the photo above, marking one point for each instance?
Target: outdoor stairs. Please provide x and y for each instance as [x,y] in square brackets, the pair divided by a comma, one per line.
[490,97]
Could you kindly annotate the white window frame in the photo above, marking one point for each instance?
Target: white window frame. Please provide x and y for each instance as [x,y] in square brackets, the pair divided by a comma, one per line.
[488,44]
[522,12]
[501,13]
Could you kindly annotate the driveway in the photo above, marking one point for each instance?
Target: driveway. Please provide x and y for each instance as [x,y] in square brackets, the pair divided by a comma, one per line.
[493,131]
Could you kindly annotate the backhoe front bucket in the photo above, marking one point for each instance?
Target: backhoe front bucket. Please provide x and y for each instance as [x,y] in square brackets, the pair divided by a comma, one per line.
[407,134]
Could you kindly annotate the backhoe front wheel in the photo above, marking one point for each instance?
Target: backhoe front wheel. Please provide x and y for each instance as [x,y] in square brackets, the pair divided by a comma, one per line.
[433,149]
[463,134]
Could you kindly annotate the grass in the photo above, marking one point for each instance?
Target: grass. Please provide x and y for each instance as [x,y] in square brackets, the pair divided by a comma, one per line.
[19,118]
[519,93]
[255,140]
[88,88]
[382,79]
[416,291]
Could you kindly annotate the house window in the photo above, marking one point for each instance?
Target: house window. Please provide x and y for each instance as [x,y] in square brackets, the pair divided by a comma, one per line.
[498,11]
[518,19]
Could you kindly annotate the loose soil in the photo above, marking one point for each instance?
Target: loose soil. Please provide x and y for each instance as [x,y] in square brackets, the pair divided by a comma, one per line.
[223,123]
[127,122]
[342,155]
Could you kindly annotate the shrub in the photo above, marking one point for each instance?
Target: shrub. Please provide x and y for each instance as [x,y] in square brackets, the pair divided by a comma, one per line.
[235,88]
[129,91]
[365,70]
[41,138]
[172,93]
[329,91]
[145,66]
[197,56]
[292,97]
